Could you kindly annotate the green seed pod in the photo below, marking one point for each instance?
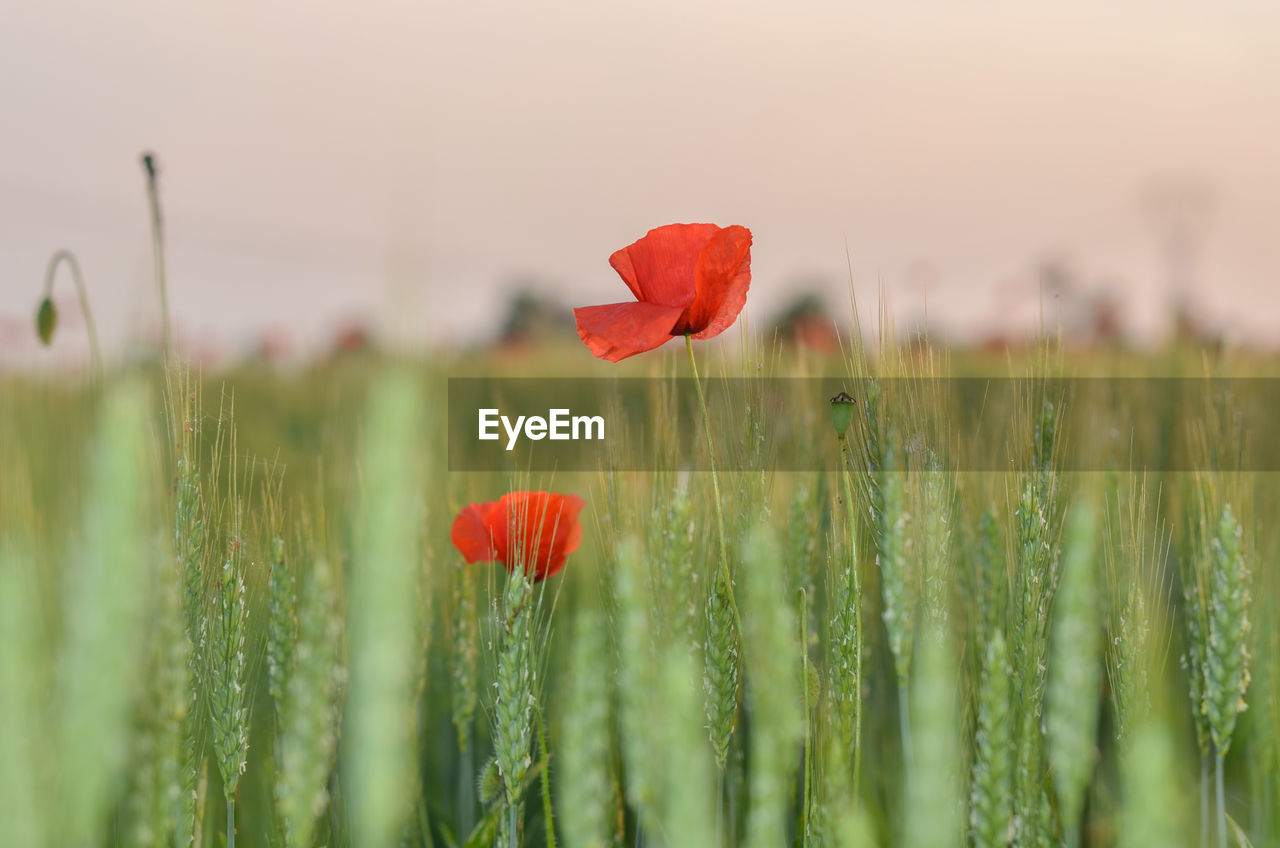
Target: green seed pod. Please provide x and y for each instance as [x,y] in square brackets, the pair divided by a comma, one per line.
[842,412]
[46,320]
[813,684]
[489,786]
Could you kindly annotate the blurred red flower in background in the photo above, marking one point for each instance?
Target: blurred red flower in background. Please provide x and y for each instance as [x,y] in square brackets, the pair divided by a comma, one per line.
[535,531]
[688,279]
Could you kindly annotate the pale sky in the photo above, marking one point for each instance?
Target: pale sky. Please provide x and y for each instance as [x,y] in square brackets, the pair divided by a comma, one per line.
[405,161]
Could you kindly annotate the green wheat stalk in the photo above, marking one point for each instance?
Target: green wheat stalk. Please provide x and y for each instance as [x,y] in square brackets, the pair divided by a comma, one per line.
[463,651]
[514,697]
[377,760]
[1037,543]
[637,679]
[584,787]
[226,667]
[21,775]
[310,708]
[157,801]
[721,682]
[899,573]
[107,592]
[282,623]
[773,666]
[1151,816]
[1227,656]
[688,778]
[990,807]
[846,634]
[1075,668]
[932,811]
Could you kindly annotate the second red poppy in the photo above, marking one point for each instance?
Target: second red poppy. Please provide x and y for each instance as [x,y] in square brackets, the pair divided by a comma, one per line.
[532,531]
[688,279]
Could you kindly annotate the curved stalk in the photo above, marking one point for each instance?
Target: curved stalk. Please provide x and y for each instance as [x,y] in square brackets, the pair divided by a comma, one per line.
[51,271]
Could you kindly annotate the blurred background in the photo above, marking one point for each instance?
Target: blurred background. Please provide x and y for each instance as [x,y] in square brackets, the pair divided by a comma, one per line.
[435,175]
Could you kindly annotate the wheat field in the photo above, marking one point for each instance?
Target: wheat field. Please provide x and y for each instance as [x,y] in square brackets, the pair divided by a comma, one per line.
[232,613]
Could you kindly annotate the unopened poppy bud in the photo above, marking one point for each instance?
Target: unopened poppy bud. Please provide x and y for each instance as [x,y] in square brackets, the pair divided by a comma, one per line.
[46,320]
[842,412]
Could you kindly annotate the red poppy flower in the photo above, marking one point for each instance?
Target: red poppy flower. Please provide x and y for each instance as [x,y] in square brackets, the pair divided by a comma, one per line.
[688,279]
[533,530]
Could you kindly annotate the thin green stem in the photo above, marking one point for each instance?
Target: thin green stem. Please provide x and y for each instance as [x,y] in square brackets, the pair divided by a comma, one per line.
[512,839]
[546,783]
[904,719]
[1204,801]
[715,485]
[857,611]
[51,271]
[157,248]
[231,822]
[803,835]
[424,824]
[720,804]
[466,790]
[1222,799]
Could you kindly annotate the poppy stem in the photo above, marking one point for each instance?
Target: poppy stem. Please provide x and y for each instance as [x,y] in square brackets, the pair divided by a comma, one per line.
[715,485]
[157,247]
[66,256]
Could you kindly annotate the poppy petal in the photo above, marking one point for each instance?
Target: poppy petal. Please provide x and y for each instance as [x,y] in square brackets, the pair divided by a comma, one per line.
[723,276]
[472,535]
[546,528]
[561,534]
[661,266]
[618,330]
